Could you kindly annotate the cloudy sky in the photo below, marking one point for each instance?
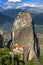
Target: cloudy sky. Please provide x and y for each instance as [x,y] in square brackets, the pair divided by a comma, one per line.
[18,3]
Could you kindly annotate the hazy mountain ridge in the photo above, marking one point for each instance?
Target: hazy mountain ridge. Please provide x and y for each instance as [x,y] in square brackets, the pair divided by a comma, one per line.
[7,18]
[11,12]
[6,22]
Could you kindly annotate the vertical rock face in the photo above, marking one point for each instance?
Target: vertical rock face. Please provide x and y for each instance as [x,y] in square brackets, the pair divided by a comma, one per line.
[23,31]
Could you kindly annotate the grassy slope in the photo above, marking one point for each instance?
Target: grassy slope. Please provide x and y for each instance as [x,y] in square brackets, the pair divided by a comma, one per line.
[41,59]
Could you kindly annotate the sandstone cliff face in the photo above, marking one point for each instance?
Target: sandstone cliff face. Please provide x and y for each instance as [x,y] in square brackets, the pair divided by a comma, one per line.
[23,30]
[23,33]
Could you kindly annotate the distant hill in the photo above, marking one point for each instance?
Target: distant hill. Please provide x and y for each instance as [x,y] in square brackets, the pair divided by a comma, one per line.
[38,18]
[11,12]
[4,19]
[5,22]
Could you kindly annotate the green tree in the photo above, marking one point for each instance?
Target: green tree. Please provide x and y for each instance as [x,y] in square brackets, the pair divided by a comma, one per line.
[5,58]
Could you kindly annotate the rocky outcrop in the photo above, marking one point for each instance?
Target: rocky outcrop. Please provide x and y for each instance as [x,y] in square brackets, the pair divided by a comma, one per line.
[24,33]
[23,29]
